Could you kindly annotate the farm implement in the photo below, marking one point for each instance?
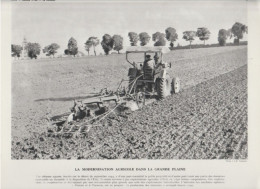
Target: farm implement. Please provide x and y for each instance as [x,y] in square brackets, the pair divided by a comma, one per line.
[147,79]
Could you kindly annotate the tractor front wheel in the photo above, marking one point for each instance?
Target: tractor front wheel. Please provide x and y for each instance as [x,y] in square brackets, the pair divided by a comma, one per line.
[163,87]
[176,85]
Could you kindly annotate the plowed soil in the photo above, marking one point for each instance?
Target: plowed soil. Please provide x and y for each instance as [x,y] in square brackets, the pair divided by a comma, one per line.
[206,120]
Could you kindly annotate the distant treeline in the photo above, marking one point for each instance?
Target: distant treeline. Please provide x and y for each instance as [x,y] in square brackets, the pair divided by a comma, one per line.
[195,46]
[115,42]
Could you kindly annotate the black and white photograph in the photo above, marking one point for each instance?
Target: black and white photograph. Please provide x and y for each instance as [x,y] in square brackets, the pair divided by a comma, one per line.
[130,94]
[129,80]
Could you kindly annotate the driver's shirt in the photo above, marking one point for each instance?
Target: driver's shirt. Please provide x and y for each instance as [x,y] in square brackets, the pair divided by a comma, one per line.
[149,64]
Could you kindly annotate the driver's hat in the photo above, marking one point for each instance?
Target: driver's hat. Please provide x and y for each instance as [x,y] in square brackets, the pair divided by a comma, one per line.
[148,56]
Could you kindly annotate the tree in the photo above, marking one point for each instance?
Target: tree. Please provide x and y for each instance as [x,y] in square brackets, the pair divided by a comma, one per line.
[66,51]
[92,42]
[16,50]
[223,35]
[238,31]
[203,34]
[72,47]
[107,43]
[144,38]
[88,45]
[159,39]
[189,36]
[118,43]
[51,49]
[133,38]
[171,36]
[33,49]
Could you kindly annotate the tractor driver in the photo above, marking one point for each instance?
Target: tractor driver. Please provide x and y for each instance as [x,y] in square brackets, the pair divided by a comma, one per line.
[149,62]
[149,66]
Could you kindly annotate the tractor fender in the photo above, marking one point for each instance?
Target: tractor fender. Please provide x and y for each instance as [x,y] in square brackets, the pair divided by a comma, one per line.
[162,74]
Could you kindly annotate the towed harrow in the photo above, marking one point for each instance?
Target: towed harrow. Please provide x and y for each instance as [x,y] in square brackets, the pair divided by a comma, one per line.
[91,111]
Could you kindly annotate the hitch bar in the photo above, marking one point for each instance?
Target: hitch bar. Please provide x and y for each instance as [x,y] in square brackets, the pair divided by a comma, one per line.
[101,99]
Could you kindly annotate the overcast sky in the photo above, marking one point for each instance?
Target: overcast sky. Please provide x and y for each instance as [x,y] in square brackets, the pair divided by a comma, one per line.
[50,22]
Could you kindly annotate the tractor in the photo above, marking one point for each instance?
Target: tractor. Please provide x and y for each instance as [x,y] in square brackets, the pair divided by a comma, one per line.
[150,80]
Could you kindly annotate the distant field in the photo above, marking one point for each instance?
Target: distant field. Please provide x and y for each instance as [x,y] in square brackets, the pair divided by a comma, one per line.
[46,87]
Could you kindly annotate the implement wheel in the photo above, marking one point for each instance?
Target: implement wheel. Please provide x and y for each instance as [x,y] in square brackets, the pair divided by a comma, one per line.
[140,99]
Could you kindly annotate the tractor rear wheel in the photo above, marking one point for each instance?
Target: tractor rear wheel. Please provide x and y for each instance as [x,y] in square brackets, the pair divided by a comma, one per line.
[163,87]
[176,85]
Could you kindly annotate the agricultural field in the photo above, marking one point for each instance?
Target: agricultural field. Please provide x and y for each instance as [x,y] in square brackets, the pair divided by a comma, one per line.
[206,120]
